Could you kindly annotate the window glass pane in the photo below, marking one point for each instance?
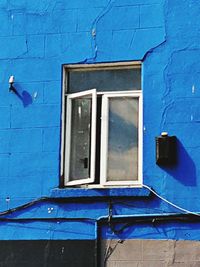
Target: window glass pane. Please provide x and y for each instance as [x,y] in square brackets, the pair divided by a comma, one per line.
[104,80]
[80,138]
[122,139]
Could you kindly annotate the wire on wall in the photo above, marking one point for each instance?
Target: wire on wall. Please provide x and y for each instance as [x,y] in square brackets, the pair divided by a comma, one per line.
[170,203]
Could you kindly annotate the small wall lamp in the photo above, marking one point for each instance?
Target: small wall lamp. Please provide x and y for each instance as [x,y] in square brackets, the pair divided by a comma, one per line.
[12,88]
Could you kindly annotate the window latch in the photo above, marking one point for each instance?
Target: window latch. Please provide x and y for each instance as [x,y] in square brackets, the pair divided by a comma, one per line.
[85,162]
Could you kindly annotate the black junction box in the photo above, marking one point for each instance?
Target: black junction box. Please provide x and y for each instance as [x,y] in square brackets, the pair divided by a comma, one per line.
[166,150]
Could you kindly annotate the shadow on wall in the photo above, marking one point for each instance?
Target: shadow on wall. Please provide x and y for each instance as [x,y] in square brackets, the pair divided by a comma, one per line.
[184,170]
[24,96]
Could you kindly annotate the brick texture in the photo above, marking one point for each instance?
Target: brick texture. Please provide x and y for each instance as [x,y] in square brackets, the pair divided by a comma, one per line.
[150,253]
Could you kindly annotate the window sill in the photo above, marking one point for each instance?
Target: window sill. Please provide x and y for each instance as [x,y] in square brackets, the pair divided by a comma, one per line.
[99,192]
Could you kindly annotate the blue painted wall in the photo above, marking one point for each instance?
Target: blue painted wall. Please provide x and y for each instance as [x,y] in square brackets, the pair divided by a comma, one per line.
[36,38]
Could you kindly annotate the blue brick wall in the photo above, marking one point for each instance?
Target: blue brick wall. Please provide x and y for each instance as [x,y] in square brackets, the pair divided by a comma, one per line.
[36,38]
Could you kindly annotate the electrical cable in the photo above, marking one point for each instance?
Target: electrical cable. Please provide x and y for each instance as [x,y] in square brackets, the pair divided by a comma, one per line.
[128,204]
[109,250]
[27,205]
[170,203]
[42,219]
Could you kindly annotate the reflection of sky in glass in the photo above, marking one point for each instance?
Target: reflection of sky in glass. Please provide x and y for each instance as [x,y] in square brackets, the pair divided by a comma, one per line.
[122,139]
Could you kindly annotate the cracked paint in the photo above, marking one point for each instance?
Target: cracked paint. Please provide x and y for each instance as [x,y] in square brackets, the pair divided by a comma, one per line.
[36,39]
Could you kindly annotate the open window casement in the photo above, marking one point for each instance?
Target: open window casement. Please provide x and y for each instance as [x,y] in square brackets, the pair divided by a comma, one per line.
[80,138]
[121,138]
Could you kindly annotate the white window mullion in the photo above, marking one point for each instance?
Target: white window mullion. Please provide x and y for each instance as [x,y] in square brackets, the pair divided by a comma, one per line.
[93,137]
[104,140]
[140,140]
[68,139]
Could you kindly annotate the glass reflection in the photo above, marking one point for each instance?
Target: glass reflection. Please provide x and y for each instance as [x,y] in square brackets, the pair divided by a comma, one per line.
[123,139]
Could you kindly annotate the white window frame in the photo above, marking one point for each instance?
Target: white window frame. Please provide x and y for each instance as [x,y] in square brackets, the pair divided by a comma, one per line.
[66,123]
[104,137]
[90,179]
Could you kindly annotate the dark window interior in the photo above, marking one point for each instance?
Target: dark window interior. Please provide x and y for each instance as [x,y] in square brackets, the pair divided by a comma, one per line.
[104,80]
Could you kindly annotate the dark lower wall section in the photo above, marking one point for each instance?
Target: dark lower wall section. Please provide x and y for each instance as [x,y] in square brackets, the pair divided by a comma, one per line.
[47,253]
[114,253]
[150,253]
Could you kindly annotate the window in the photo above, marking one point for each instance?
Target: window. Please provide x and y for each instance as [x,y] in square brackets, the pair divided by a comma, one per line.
[102,125]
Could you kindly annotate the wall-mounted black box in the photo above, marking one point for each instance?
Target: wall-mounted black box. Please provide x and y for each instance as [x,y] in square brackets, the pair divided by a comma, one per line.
[166,150]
